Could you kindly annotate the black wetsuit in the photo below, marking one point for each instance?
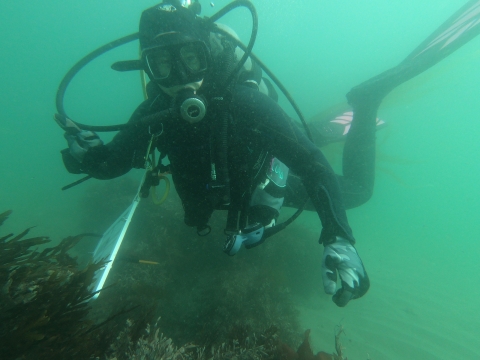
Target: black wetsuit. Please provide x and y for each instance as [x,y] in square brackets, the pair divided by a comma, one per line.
[258,125]
[358,162]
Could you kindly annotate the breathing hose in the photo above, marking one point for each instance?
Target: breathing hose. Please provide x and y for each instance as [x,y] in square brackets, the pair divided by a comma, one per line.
[62,88]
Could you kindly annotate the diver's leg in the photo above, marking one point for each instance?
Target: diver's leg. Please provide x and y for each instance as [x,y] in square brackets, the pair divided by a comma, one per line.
[358,165]
[357,128]
[359,152]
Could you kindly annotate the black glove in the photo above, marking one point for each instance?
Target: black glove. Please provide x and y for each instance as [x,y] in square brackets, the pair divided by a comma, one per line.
[342,257]
[79,141]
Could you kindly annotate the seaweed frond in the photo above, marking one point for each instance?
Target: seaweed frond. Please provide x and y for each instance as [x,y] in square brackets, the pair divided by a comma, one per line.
[43,299]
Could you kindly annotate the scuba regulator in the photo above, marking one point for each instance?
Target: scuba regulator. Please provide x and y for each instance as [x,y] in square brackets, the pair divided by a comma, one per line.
[193,107]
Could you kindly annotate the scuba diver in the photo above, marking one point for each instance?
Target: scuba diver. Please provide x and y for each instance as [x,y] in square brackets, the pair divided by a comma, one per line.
[231,146]
[220,138]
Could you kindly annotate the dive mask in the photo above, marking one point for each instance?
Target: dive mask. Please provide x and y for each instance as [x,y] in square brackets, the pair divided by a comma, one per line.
[176,64]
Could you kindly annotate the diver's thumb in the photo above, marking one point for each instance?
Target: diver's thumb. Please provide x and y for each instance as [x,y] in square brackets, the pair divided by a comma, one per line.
[329,276]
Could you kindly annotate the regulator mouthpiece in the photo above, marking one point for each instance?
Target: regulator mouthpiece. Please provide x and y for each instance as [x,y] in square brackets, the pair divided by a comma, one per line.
[192,108]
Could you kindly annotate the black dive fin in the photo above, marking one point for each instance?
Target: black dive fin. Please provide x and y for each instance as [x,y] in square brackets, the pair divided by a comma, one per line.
[460,28]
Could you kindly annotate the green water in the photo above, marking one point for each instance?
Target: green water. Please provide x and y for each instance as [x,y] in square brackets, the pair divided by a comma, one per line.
[418,235]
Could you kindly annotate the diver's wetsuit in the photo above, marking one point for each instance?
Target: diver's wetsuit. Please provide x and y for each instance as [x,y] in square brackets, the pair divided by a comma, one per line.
[258,125]
[358,164]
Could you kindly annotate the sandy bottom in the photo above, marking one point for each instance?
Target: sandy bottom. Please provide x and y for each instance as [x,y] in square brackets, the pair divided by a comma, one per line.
[396,322]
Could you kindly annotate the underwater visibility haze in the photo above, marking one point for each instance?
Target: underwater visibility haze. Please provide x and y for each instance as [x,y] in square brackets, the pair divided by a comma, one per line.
[418,236]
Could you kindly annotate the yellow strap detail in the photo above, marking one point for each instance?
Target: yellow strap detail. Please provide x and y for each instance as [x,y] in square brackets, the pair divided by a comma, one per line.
[148,262]
[153,191]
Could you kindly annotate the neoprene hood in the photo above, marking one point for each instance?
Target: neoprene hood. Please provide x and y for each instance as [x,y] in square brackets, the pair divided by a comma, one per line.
[165,18]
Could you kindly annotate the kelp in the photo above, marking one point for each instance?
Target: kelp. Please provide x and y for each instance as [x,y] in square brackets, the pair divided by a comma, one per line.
[44,299]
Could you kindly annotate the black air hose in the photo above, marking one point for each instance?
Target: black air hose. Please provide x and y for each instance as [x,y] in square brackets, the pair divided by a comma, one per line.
[222,98]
